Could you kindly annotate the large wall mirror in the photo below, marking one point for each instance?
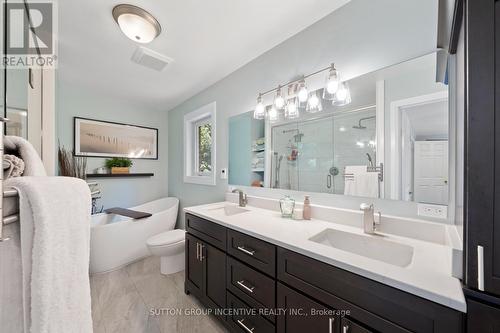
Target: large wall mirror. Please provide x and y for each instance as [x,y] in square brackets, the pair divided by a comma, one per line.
[390,141]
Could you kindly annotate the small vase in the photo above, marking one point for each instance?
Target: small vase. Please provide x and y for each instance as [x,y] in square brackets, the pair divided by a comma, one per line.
[120,170]
[287,206]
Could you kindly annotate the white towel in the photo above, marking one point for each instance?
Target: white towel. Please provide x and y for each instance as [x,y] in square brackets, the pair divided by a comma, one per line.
[13,166]
[360,182]
[55,247]
[21,148]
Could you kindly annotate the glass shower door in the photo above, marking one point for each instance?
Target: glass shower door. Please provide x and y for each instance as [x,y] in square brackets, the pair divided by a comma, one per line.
[315,156]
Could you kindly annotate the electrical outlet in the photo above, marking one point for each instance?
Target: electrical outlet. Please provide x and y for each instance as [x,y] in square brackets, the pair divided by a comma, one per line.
[435,211]
[223,173]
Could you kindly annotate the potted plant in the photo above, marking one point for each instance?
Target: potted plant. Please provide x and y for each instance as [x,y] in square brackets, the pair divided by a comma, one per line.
[119,165]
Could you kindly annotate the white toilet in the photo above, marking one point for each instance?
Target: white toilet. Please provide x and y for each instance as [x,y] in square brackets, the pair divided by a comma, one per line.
[169,246]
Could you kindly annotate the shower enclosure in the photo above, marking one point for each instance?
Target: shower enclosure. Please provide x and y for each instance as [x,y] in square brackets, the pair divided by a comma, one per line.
[310,155]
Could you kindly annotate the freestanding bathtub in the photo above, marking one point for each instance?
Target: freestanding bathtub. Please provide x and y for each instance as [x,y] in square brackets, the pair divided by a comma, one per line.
[117,240]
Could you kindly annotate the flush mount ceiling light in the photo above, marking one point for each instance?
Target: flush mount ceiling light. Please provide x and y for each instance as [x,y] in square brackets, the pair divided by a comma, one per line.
[300,97]
[136,23]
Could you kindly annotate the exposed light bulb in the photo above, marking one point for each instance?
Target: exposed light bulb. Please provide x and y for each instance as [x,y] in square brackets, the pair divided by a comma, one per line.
[342,94]
[314,103]
[272,114]
[279,101]
[292,110]
[260,110]
[332,86]
[303,93]
[342,129]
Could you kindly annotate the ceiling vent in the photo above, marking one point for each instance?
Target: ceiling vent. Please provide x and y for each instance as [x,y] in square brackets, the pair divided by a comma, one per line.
[150,59]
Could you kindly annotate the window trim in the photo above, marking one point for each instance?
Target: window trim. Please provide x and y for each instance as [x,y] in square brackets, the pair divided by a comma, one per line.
[204,115]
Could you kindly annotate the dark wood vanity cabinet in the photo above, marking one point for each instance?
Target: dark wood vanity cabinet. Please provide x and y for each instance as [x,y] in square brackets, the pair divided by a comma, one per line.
[205,263]
[287,292]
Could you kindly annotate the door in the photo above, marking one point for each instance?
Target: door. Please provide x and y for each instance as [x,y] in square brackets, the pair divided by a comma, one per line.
[303,314]
[431,172]
[482,318]
[194,266]
[214,276]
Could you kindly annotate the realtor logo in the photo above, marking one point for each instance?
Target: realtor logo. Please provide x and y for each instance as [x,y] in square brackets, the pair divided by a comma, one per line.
[30,34]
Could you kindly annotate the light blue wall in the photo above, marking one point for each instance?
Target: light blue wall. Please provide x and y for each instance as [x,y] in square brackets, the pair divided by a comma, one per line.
[123,192]
[360,37]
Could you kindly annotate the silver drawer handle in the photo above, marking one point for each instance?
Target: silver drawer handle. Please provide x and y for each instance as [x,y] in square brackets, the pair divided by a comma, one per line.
[247,288]
[330,323]
[249,330]
[249,252]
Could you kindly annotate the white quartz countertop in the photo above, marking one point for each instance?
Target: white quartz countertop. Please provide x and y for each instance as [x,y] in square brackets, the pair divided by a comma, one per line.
[428,275]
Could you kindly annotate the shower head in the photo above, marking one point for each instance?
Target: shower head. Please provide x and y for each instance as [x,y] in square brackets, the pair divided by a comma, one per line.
[361,127]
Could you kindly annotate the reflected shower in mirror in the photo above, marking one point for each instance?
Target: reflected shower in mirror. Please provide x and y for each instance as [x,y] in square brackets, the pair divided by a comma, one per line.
[390,141]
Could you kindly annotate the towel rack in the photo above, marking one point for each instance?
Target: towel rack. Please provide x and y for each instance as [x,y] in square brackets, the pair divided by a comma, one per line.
[379,169]
[8,193]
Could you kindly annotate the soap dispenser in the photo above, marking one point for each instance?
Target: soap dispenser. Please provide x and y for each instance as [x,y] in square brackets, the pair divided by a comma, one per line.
[307,208]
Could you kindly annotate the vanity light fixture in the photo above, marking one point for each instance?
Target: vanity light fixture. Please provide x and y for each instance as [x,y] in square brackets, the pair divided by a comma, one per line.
[136,23]
[292,109]
[343,95]
[260,109]
[335,90]
[332,84]
[303,93]
[279,100]
[272,114]
[314,103]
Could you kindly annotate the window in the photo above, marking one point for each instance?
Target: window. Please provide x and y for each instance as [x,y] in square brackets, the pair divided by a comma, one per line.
[199,146]
[203,148]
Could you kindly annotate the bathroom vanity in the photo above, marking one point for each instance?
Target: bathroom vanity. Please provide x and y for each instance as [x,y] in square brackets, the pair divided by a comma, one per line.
[298,276]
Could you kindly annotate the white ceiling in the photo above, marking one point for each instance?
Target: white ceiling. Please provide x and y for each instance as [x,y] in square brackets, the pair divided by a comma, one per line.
[207,40]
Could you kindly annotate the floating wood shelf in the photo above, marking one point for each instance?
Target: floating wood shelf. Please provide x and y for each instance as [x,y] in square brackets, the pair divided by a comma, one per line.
[118,175]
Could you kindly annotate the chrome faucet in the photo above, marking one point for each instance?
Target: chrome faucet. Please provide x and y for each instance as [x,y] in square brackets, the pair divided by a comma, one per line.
[242,199]
[369,223]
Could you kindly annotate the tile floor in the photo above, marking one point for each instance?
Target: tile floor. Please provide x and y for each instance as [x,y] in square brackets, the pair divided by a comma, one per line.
[134,299]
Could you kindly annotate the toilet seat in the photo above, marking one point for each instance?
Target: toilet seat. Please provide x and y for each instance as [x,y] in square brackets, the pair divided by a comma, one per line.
[167,238]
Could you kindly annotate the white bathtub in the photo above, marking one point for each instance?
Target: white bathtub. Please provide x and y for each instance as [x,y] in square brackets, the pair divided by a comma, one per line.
[117,240]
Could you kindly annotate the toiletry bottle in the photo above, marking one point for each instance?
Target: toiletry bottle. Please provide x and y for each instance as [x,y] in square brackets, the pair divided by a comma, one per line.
[307,208]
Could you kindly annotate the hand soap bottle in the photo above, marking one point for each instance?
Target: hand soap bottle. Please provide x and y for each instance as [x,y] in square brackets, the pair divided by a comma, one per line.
[307,208]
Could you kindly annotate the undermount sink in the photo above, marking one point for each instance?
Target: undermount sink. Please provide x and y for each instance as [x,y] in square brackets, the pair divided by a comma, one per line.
[230,210]
[370,246]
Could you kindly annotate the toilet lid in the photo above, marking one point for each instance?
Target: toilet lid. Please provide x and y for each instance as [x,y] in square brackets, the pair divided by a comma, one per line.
[167,237]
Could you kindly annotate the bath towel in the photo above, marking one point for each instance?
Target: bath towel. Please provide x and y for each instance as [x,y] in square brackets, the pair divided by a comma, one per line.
[359,182]
[13,166]
[55,247]
[21,148]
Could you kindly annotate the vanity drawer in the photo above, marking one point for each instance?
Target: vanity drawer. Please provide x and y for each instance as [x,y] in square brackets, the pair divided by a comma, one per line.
[251,286]
[376,305]
[244,318]
[252,251]
[206,230]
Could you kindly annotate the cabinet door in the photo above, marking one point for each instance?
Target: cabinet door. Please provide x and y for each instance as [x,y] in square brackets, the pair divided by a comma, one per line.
[214,275]
[303,314]
[482,318]
[194,266]
[482,194]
